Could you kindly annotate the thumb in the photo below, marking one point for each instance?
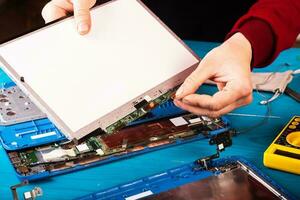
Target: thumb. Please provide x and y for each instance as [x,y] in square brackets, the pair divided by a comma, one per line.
[82,15]
[193,82]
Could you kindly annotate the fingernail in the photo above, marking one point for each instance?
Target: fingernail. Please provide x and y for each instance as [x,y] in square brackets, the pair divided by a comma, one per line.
[179,92]
[175,102]
[83,28]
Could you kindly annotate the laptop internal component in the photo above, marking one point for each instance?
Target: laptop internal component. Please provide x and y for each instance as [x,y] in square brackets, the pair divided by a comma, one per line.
[58,156]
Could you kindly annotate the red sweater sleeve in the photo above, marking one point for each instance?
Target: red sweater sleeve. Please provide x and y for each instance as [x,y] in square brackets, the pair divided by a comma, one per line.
[271,26]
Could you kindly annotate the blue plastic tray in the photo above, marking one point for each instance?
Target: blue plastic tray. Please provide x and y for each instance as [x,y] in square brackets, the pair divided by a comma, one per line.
[171,179]
[27,134]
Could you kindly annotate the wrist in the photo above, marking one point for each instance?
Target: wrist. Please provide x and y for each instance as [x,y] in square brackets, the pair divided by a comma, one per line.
[240,46]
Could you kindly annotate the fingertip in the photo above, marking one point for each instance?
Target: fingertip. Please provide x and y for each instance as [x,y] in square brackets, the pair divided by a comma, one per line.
[175,102]
[83,28]
[82,15]
[189,86]
[179,93]
[184,90]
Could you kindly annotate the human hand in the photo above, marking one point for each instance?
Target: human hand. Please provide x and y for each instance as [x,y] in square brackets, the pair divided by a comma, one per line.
[229,66]
[56,9]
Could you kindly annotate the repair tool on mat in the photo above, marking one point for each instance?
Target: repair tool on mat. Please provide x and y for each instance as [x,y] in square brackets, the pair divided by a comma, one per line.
[284,152]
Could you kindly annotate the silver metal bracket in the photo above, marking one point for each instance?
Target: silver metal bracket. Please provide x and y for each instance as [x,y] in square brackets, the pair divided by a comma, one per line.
[16,107]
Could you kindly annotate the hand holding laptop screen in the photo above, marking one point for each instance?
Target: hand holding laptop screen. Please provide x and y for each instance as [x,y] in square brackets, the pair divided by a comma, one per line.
[127,64]
[60,8]
[229,65]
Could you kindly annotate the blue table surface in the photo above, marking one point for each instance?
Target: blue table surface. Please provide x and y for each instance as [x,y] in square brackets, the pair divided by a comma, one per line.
[250,145]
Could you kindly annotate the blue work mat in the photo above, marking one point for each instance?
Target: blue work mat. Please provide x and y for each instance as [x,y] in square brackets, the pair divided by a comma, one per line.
[250,145]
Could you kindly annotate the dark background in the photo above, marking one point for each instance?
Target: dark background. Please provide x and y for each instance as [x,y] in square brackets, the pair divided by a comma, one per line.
[208,20]
[18,16]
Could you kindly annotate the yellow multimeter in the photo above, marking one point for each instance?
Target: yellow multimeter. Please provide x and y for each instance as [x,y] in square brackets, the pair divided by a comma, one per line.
[284,153]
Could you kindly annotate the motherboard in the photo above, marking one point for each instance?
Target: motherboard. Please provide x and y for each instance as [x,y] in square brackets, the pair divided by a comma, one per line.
[100,146]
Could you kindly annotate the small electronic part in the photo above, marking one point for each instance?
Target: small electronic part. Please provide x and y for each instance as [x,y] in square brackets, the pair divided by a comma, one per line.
[222,141]
[54,157]
[16,107]
[29,195]
[100,152]
[179,121]
[284,152]
[82,148]
[142,109]
[33,194]
[143,102]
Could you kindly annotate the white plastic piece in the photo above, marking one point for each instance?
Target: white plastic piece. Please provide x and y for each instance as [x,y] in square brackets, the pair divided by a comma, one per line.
[100,152]
[58,154]
[139,196]
[14,143]
[179,121]
[221,146]
[53,155]
[70,152]
[34,137]
[27,195]
[82,148]
[206,118]
[195,120]
[147,98]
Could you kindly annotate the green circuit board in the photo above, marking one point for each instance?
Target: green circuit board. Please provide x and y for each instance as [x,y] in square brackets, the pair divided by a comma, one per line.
[59,156]
[140,112]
